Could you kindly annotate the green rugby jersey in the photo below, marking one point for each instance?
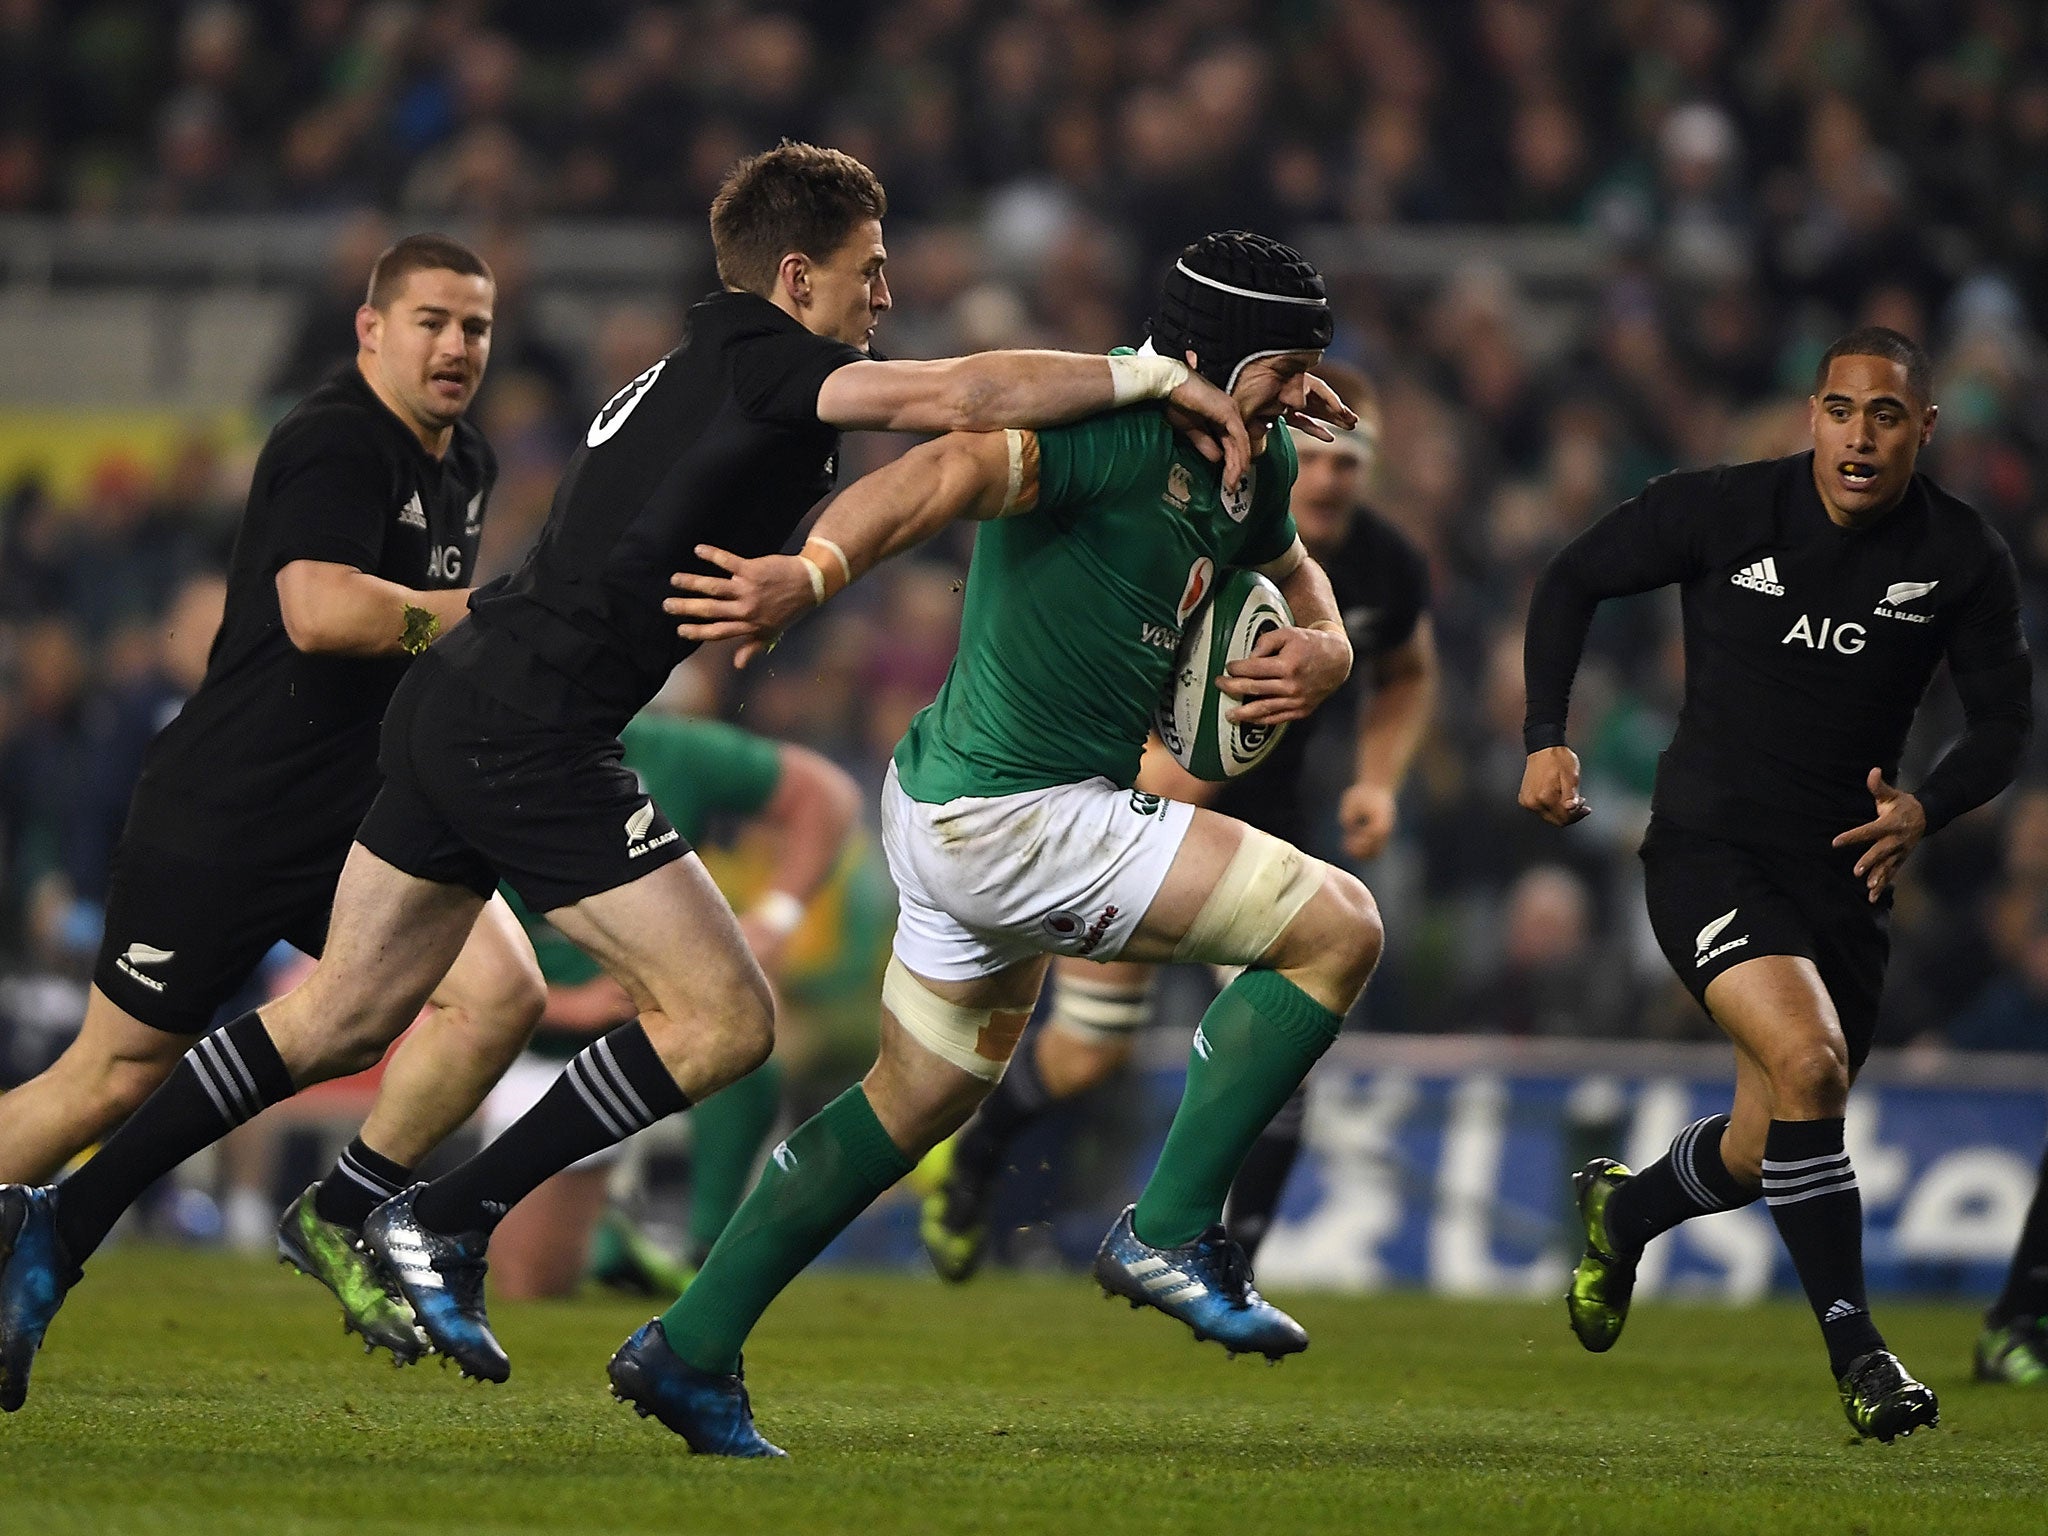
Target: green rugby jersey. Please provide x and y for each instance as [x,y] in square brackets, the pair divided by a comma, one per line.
[1074,609]
[694,770]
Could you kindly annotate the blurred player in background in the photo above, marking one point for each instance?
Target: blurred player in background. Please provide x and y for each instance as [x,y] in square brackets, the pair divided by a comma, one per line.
[1820,592]
[362,523]
[501,758]
[1014,833]
[1381,586]
[2014,1344]
[698,772]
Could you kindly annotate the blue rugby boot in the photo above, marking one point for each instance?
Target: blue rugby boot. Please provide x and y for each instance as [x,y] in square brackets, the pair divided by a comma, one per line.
[442,1279]
[1207,1284]
[35,1274]
[712,1413]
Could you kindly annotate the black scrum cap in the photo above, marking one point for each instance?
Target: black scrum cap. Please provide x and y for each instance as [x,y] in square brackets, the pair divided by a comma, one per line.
[1234,297]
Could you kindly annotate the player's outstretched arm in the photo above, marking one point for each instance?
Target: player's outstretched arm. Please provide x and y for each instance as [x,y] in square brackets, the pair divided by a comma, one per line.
[964,474]
[338,610]
[1291,671]
[993,390]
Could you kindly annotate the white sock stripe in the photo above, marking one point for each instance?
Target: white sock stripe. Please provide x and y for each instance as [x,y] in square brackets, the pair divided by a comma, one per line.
[1682,1152]
[1833,1165]
[212,1066]
[230,1054]
[601,1052]
[1847,1188]
[605,1083]
[1771,1166]
[1809,1180]
[205,1075]
[598,1098]
[370,1181]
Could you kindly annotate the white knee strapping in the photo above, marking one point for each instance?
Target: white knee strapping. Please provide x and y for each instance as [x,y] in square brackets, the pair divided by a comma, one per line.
[1101,1010]
[976,1040]
[1262,888]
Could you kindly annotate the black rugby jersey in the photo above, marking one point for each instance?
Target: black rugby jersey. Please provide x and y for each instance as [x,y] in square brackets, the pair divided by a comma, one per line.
[1381,583]
[274,758]
[718,443]
[1807,645]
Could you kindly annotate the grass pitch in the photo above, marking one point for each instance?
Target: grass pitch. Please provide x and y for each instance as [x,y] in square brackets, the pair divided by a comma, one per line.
[207,1396]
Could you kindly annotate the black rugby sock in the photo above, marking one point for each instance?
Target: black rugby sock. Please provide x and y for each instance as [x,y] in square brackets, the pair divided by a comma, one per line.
[1255,1193]
[1017,1102]
[1811,1187]
[612,1088]
[228,1077]
[2026,1283]
[1687,1181]
[359,1182]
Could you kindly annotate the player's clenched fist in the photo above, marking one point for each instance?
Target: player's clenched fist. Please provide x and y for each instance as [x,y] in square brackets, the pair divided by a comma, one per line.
[1550,786]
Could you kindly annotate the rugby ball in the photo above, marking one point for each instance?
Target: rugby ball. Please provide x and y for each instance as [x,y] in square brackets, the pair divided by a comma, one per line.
[1189,715]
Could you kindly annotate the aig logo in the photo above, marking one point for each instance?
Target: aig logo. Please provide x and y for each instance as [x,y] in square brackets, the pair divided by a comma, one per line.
[1846,638]
[444,563]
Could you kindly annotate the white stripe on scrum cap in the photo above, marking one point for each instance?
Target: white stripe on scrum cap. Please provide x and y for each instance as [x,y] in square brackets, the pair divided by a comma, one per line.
[1249,293]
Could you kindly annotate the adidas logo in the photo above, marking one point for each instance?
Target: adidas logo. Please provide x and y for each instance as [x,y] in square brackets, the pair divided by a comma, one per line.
[413,514]
[1760,577]
[1840,1310]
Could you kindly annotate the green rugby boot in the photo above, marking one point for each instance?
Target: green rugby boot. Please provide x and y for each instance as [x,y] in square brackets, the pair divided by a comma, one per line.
[1882,1402]
[2015,1352]
[335,1256]
[1605,1279]
[952,1216]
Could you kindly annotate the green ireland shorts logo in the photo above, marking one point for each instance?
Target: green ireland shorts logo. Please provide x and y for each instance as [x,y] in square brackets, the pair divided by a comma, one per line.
[1147,805]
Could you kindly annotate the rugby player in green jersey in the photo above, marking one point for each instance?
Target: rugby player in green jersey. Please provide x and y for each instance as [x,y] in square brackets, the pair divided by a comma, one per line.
[1013,832]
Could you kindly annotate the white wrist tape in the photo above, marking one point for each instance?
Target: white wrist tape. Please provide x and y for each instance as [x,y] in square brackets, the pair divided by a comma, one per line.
[779,912]
[817,580]
[1135,377]
[839,554]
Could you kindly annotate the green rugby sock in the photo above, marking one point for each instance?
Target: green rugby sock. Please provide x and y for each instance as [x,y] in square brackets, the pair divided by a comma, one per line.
[730,1129]
[831,1168]
[1252,1049]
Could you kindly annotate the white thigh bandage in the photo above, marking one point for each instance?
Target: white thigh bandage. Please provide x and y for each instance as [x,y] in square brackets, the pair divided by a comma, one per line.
[1262,888]
[1100,1010]
[976,1040]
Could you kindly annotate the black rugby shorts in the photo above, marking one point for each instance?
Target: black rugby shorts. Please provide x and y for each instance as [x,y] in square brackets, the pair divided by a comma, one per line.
[476,791]
[1715,904]
[183,934]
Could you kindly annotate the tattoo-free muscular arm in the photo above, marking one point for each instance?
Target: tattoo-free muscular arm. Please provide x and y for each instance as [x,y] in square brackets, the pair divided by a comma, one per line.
[338,610]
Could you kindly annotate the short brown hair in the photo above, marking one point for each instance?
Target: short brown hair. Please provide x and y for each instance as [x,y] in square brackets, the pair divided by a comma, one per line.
[794,197]
[421,253]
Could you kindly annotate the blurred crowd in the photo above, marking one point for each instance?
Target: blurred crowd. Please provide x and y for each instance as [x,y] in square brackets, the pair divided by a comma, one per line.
[1759,174]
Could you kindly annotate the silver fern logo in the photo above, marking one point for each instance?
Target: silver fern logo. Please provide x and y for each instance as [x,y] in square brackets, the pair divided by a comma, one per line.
[1704,947]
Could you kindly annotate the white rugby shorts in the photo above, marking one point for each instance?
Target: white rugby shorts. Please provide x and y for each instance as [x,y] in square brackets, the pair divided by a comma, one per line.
[983,882]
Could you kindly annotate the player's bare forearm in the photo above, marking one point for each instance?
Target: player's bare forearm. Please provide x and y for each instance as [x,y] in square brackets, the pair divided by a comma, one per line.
[334,609]
[1291,671]
[991,391]
[897,507]
[1391,725]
